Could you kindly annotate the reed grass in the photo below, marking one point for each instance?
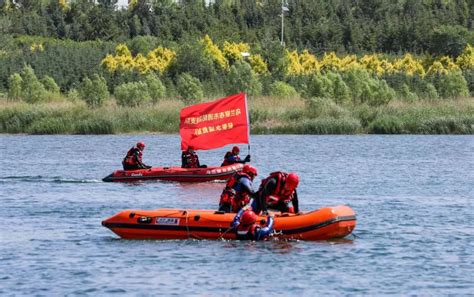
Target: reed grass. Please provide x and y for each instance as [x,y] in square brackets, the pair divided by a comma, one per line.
[269,115]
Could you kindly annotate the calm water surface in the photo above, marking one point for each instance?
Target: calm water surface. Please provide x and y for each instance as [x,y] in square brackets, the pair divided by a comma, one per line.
[413,196]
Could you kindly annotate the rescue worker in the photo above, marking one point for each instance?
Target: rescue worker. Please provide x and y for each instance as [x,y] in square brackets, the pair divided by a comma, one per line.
[133,159]
[246,227]
[233,157]
[189,159]
[278,192]
[238,190]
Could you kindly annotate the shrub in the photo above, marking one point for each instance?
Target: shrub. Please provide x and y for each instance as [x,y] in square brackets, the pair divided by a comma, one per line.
[156,89]
[387,125]
[341,92]
[14,87]
[50,85]
[94,91]
[406,94]
[132,94]
[73,95]
[283,90]
[320,86]
[32,89]
[241,78]
[356,80]
[376,92]
[451,85]
[469,76]
[189,88]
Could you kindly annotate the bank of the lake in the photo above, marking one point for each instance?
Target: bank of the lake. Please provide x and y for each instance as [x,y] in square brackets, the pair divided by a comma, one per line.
[268,115]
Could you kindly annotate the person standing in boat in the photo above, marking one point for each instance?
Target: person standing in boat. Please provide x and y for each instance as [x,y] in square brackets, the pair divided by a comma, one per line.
[233,157]
[246,228]
[133,159]
[238,190]
[278,192]
[189,159]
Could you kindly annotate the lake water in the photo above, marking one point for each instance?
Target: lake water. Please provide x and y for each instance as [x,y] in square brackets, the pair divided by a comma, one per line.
[413,196]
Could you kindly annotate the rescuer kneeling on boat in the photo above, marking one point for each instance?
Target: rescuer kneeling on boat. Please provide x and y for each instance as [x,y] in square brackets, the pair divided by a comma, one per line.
[278,192]
[233,157]
[133,159]
[246,227]
[189,159]
[238,190]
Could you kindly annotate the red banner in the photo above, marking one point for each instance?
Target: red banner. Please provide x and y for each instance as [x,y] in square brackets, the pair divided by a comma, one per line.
[214,124]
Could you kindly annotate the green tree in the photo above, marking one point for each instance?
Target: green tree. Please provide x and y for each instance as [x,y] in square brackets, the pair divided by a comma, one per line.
[32,89]
[14,87]
[132,94]
[189,88]
[156,89]
[94,91]
[241,78]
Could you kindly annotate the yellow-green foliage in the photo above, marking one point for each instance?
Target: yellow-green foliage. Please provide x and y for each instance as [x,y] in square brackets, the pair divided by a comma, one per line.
[294,65]
[259,66]
[132,4]
[63,4]
[304,63]
[158,60]
[437,68]
[409,66]
[331,62]
[36,47]
[373,64]
[466,59]
[309,63]
[214,52]
[233,51]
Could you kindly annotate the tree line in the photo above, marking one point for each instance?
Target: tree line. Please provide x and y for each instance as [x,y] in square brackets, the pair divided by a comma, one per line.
[439,27]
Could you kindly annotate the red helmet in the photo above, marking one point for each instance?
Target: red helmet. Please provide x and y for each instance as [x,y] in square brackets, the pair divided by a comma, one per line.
[248,218]
[292,181]
[235,150]
[141,145]
[250,170]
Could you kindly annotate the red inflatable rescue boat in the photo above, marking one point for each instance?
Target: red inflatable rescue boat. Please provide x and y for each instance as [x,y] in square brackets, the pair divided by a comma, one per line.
[178,174]
[325,223]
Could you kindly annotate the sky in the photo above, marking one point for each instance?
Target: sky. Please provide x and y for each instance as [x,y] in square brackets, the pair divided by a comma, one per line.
[122,2]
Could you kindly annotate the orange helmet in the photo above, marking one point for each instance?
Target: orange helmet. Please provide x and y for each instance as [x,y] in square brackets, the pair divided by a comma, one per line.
[250,170]
[141,145]
[292,181]
[248,218]
[235,150]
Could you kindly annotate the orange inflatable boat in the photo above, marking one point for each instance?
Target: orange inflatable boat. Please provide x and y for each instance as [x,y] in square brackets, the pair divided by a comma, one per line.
[325,223]
[178,174]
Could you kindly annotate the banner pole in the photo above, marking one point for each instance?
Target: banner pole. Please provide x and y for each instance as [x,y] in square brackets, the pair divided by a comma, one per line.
[248,123]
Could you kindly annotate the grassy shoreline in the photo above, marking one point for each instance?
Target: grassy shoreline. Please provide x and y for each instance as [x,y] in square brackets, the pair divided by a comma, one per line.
[268,115]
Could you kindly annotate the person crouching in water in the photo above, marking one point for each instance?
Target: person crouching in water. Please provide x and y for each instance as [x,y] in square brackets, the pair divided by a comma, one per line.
[246,228]
[189,159]
[278,192]
[233,157]
[133,159]
[238,190]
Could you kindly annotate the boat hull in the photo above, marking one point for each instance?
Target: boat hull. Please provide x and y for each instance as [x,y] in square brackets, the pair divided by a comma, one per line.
[177,174]
[323,224]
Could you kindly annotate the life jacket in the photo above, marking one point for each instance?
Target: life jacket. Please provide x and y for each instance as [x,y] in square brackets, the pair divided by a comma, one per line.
[130,157]
[192,160]
[279,189]
[226,161]
[230,195]
[246,234]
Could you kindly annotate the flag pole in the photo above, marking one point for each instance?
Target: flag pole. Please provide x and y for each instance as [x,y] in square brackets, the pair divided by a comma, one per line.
[248,123]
